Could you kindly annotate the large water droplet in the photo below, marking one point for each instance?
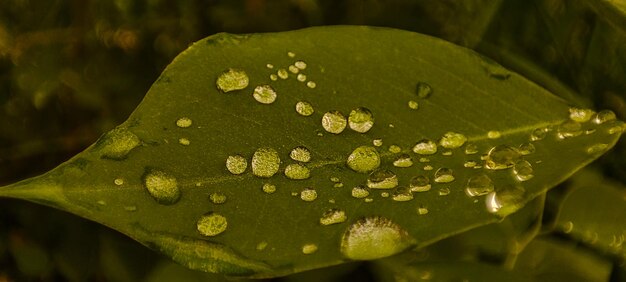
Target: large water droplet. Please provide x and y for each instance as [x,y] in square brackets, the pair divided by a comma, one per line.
[382,179]
[333,216]
[423,90]
[569,129]
[360,192]
[264,94]
[308,195]
[300,154]
[402,194]
[373,238]
[478,185]
[451,140]
[334,122]
[419,183]
[444,175]
[505,201]
[236,164]
[304,108]
[265,162]
[117,144]
[580,115]
[403,160]
[184,122]
[364,159]
[523,170]
[604,116]
[161,186]
[425,147]
[501,157]
[361,120]
[297,171]
[231,80]
[217,198]
[308,249]
[211,224]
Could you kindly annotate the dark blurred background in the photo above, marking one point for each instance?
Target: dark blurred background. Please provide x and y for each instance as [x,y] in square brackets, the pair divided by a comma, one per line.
[72,70]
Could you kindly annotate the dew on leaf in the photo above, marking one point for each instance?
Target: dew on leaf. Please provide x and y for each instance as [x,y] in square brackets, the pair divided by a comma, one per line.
[264,94]
[478,185]
[217,198]
[604,116]
[334,122]
[425,147]
[423,90]
[580,115]
[300,154]
[304,108]
[236,164]
[333,216]
[265,162]
[569,129]
[308,249]
[297,172]
[501,157]
[373,238]
[361,120]
[403,160]
[184,122]
[444,175]
[269,188]
[419,183]
[211,224]
[523,170]
[308,195]
[360,192]
[505,201]
[382,179]
[364,159]
[116,144]
[161,186]
[402,194]
[231,80]
[451,140]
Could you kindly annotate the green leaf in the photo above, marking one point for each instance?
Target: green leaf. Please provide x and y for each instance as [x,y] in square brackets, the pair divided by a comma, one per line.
[176,178]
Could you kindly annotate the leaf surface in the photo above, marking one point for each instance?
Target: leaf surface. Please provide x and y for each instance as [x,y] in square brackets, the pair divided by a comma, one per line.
[173,175]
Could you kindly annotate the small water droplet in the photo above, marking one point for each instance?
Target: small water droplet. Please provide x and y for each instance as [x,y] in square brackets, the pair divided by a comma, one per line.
[413,105]
[425,147]
[569,129]
[471,148]
[184,141]
[580,115]
[452,140]
[424,160]
[334,122]
[291,54]
[423,90]
[526,149]
[161,186]
[269,66]
[368,200]
[311,84]
[308,195]
[428,167]
[597,148]
[265,162]
[523,170]
[419,183]
[403,160]
[494,134]
[231,80]
[364,159]
[282,73]
[395,149]
[118,181]
[501,157]
[479,185]
[469,164]
[217,198]
[616,127]
[269,188]
[308,249]
[338,185]
[361,120]
[604,116]
[273,77]
[304,108]
[402,194]
[300,154]
[261,246]
[301,77]
[384,194]
[264,94]
[445,191]
[211,224]
[377,142]
[183,122]
[505,201]
[293,69]
[422,210]
[101,202]
[538,134]
[300,64]
[333,216]
[297,172]
[444,175]
[382,179]
[446,153]
[373,238]
[236,164]
[360,192]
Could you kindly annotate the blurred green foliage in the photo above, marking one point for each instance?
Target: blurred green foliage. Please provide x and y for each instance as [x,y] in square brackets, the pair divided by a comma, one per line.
[71,70]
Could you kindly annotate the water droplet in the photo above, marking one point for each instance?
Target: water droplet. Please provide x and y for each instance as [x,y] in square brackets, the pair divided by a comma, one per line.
[469,164]
[471,148]
[424,90]
[301,77]
[269,66]
[300,154]
[334,179]
[377,142]
[291,54]
[538,134]
[580,115]
[523,170]
[265,162]
[130,208]
[184,141]
[505,201]
[424,160]
[479,185]
[261,246]
[308,249]
[373,238]
[117,144]
[311,84]
[183,122]
[604,116]
[269,188]
[264,94]
[308,195]
[231,80]
[236,164]
[569,129]
[494,134]
[526,149]
[446,153]
[368,200]
[334,122]
[444,175]
[597,148]
[425,147]
[360,192]
[333,216]
[428,167]
[161,186]
[384,194]
[304,108]
[382,179]
[419,183]
[338,185]
[501,157]
[422,210]
[616,127]
[364,159]
[403,160]
[297,172]
[211,224]
[300,64]
[273,77]
[118,181]
[101,202]
[413,105]
[293,69]
[402,194]
[445,191]
[395,149]
[217,198]
[282,73]
[361,120]
[452,140]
